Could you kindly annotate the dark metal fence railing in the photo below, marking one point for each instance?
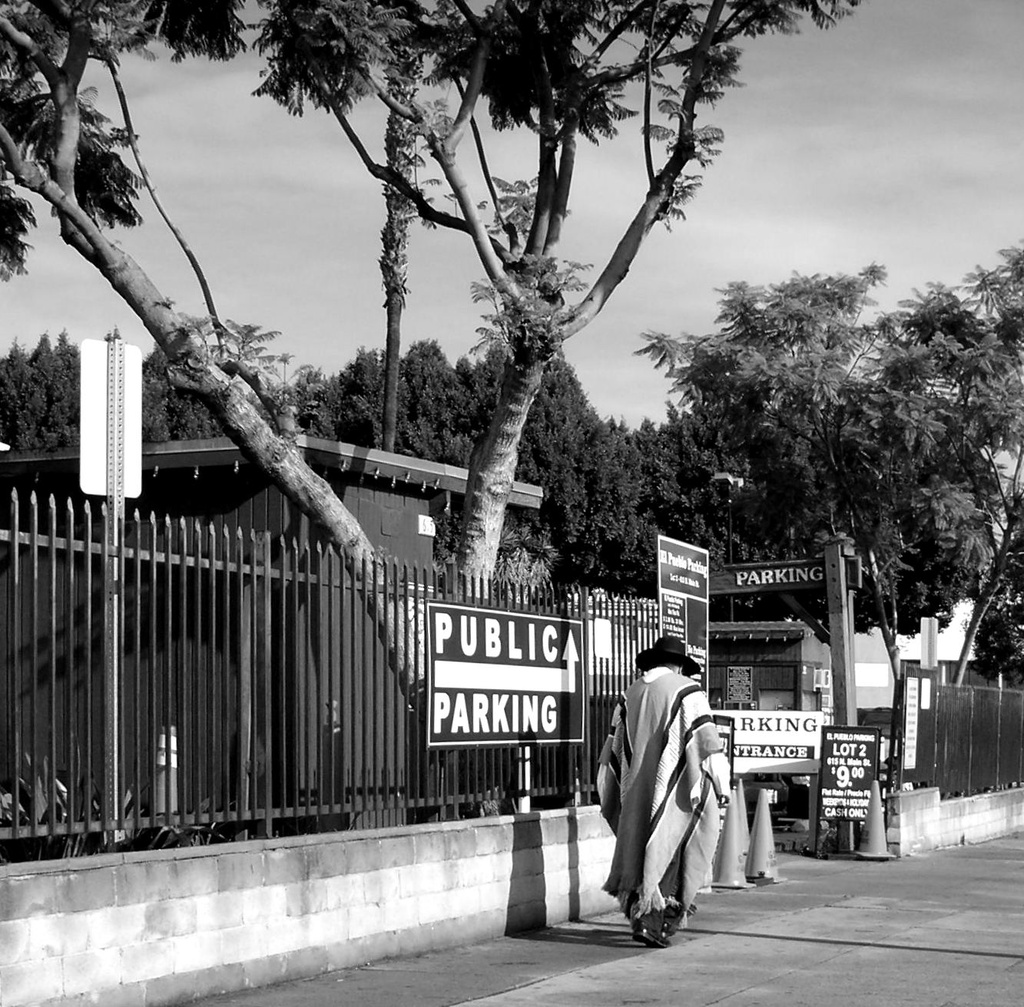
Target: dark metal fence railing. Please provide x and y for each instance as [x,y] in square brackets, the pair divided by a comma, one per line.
[969,740]
[269,687]
[265,687]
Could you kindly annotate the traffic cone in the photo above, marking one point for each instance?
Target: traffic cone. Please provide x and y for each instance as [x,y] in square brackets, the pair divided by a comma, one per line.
[761,868]
[872,845]
[744,821]
[730,856]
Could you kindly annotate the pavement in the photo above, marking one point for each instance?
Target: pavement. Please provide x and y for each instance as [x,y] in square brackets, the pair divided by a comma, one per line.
[942,929]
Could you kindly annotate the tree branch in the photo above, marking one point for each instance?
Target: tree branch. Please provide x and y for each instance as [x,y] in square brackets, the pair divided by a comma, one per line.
[16,164]
[656,202]
[380,171]
[471,19]
[617,32]
[628,71]
[648,79]
[24,41]
[475,83]
[197,269]
[79,46]
[547,178]
[283,416]
[485,168]
[55,9]
[491,255]
[560,201]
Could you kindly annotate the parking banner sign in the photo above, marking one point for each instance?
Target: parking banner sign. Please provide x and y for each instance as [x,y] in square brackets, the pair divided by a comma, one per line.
[776,741]
[496,677]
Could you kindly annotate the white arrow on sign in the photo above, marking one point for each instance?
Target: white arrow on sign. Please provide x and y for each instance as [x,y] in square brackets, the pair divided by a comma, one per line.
[571,656]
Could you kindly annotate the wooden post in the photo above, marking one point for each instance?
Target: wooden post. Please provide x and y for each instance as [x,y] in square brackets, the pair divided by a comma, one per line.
[840,625]
[844,691]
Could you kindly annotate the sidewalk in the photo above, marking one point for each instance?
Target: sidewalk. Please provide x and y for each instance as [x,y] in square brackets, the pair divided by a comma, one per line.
[943,929]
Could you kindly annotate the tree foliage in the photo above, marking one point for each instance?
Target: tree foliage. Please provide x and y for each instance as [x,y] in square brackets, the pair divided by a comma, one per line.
[39,395]
[556,71]
[903,432]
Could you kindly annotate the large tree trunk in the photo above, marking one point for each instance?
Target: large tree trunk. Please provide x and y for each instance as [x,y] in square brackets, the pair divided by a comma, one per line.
[392,353]
[492,468]
[234,405]
[400,146]
[887,623]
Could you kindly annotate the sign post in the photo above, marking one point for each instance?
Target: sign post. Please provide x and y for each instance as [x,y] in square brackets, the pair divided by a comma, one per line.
[683,597]
[111,466]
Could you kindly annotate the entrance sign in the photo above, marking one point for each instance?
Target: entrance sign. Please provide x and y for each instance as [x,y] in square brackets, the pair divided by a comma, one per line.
[776,741]
[849,764]
[496,677]
[683,597]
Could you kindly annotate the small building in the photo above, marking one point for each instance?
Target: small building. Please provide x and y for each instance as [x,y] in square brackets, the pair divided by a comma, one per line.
[768,666]
[395,498]
[253,671]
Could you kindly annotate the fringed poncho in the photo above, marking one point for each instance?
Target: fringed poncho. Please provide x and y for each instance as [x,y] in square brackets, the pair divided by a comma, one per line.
[656,790]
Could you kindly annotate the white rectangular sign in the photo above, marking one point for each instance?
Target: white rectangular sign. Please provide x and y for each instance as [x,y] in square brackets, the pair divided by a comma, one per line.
[776,741]
[95,418]
[910,723]
[497,677]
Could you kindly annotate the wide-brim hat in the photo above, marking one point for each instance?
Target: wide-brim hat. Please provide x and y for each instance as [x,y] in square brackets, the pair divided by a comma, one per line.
[667,650]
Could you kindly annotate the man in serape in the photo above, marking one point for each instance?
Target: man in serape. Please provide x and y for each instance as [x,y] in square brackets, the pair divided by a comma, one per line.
[661,781]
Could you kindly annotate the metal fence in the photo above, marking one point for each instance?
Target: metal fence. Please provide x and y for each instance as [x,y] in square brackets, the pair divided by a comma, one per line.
[261,687]
[968,739]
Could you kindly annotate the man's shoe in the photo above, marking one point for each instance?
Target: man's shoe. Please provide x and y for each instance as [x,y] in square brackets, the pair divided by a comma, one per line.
[648,937]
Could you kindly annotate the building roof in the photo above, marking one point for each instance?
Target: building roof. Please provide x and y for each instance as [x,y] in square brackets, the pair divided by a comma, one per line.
[319,451]
[781,630]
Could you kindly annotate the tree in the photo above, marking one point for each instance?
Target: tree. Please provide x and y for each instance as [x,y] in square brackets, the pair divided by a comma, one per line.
[39,395]
[556,70]
[904,433]
[792,367]
[959,371]
[400,152]
[167,413]
[999,642]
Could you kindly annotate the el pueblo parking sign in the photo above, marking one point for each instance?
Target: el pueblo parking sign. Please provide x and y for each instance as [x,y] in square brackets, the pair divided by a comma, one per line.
[497,677]
[849,762]
[683,597]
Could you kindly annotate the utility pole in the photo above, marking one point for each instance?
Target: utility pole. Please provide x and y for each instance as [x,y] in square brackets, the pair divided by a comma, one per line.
[730,480]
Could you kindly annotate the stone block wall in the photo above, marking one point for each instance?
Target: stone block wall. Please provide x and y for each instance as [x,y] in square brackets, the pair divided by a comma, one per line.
[918,820]
[169,926]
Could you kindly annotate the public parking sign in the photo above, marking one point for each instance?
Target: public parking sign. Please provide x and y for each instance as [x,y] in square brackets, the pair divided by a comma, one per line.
[497,677]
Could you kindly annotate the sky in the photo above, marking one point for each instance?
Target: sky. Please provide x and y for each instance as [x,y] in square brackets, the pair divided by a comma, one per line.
[897,138]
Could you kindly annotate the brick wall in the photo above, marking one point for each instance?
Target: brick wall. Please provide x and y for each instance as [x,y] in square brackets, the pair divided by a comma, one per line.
[169,926]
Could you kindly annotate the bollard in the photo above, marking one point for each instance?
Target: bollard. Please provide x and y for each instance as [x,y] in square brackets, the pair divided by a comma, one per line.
[165,800]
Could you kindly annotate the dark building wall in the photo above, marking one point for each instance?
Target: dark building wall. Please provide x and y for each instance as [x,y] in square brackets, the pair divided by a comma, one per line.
[782,658]
[242,499]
